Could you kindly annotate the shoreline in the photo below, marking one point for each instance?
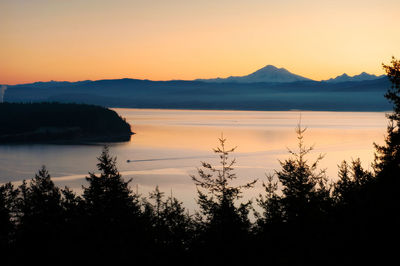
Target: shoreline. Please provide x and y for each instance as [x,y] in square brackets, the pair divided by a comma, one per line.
[253,110]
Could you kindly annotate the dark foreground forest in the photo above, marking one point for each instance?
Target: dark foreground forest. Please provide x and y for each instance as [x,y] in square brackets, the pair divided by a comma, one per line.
[304,219]
[60,122]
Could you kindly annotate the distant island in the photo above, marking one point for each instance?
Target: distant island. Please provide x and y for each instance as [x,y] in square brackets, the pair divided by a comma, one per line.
[60,123]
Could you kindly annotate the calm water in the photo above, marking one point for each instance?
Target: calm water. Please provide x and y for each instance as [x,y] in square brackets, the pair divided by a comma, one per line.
[170,144]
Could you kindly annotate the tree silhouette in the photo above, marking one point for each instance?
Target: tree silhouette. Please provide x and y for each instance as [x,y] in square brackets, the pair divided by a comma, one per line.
[367,204]
[352,179]
[112,212]
[172,227]
[382,205]
[270,203]
[304,187]
[295,209]
[7,205]
[39,217]
[224,225]
[40,202]
[387,157]
[108,195]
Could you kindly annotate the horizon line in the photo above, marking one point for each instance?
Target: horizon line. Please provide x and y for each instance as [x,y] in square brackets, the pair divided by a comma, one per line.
[196,79]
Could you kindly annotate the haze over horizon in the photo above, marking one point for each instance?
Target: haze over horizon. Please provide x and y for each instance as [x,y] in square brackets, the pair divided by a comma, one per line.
[168,40]
[269,73]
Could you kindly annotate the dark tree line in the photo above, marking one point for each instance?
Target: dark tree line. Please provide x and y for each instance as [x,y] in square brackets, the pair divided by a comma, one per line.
[301,218]
[51,121]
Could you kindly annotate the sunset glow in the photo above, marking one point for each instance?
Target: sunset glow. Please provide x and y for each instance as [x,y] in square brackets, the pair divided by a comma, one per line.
[162,40]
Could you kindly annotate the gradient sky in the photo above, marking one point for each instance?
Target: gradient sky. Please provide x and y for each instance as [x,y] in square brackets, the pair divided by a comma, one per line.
[72,40]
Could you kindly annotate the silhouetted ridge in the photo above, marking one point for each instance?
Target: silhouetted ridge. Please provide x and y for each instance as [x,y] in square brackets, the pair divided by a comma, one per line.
[361,77]
[177,94]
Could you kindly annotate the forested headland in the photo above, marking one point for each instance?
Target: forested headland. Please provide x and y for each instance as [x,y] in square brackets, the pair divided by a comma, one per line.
[304,219]
[60,123]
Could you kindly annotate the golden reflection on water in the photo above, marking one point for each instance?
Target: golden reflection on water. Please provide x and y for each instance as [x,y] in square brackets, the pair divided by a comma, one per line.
[249,140]
[262,138]
[170,144]
[253,131]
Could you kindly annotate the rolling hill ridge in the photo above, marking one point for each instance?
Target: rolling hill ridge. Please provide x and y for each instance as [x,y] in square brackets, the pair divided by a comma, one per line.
[269,88]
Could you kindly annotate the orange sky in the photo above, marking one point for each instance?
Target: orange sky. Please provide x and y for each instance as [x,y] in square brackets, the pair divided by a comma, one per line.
[74,40]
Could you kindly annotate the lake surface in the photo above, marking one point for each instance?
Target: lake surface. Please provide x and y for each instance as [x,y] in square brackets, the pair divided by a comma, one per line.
[170,144]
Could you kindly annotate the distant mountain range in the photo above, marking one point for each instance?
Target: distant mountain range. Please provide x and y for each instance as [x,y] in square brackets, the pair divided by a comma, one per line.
[272,74]
[361,77]
[269,88]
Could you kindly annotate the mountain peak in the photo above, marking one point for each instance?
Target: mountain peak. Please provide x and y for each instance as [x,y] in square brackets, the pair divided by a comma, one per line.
[268,73]
[271,73]
[269,67]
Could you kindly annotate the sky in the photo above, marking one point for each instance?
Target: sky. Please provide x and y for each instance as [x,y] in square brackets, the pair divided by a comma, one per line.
[42,40]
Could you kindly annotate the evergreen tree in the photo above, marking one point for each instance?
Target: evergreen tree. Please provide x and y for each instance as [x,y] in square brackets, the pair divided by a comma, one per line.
[387,157]
[113,227]
[305,192]
[7,201]
[44,197]
[71,204]
[383,194]
[344,184]
[224,225]
[39,203]
[39,218]
[352,179]
[171,224]
[108,195]
[295,210]
[270,203]
[367,204]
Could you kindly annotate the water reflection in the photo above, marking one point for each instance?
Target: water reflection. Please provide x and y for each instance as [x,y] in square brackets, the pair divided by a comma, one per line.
[169,145]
